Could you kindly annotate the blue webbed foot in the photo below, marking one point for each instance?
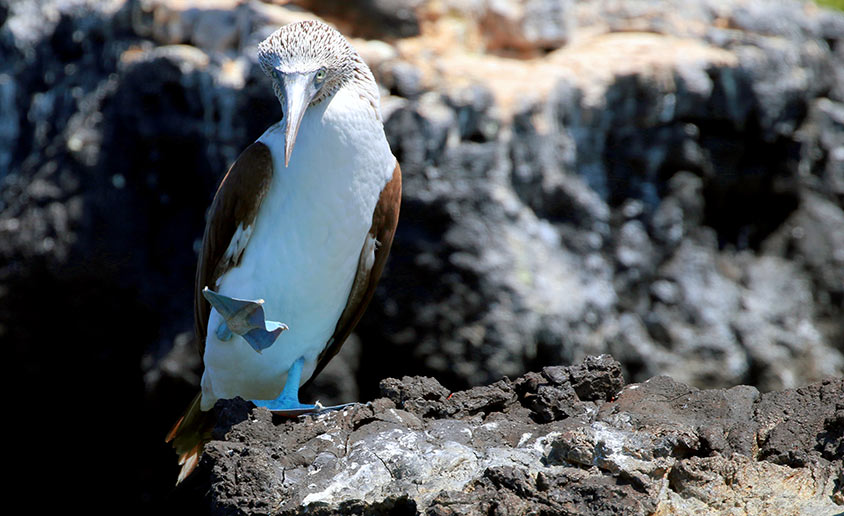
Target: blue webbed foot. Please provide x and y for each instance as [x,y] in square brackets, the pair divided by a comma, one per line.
[245,318]
[287,403]
[288,407]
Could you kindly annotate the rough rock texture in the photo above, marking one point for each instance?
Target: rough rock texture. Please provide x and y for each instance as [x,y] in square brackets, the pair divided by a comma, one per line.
[565,440]
[659,180]
[640,193]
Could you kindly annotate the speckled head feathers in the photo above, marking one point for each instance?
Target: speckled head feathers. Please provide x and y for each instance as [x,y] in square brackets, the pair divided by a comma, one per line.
[310,45]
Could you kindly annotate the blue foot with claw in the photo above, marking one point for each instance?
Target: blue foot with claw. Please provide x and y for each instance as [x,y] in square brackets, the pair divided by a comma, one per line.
[287,403]
[245,318]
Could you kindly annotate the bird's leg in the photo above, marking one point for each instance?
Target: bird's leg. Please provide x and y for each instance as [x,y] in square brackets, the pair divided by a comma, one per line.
[287,403]
[244,317]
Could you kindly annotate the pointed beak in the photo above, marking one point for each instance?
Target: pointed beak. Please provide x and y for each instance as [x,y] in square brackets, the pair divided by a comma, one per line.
[298,92]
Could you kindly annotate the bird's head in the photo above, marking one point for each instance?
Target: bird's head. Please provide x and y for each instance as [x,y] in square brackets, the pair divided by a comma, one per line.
[308,62]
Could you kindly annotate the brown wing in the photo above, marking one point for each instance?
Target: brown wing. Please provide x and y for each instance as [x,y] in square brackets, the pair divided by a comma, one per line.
[235,206]
[383,228]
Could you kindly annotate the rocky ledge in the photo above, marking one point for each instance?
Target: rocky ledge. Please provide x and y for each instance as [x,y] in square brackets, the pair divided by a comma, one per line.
[564,440]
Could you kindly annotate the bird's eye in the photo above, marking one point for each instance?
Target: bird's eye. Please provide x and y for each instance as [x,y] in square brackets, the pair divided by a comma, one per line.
[320,75]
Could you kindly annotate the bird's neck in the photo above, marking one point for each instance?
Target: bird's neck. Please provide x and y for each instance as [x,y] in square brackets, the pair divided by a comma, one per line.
[340,149]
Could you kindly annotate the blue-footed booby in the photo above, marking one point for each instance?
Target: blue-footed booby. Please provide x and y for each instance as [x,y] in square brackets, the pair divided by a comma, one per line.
[297,234]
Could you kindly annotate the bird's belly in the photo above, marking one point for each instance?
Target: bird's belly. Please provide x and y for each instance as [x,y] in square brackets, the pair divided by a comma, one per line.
[302,263]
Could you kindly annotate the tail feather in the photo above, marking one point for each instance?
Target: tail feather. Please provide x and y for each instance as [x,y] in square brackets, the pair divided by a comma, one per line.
[189,435]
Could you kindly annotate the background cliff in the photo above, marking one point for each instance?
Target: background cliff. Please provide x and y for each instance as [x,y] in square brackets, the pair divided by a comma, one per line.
[658,180]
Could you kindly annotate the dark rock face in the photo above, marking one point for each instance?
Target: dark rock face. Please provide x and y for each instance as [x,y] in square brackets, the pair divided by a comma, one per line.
[657,223]
[565,440]
[108,173]
[686,216]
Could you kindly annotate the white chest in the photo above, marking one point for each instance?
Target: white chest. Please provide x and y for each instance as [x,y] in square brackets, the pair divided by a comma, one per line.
[303,250]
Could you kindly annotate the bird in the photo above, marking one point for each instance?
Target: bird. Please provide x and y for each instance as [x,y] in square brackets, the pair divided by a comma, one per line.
[297,234]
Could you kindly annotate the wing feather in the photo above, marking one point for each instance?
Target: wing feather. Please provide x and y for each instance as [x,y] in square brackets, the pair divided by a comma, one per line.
[230,221]
[377,243]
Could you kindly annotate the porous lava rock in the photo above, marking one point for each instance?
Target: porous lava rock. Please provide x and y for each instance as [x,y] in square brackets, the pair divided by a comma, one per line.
[562,440]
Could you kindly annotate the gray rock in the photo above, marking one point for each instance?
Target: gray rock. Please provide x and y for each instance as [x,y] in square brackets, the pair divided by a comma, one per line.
[402,78]
[560,440]
[822,139]
[526,25]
